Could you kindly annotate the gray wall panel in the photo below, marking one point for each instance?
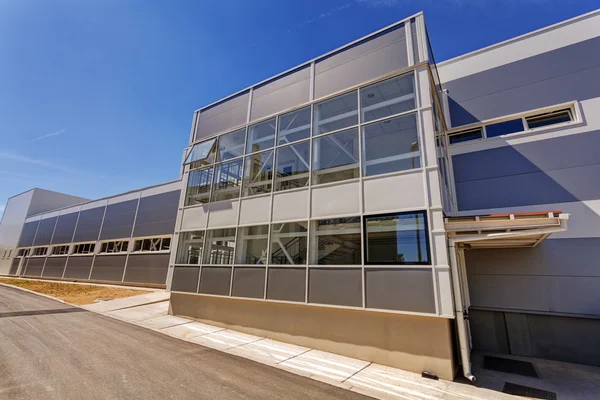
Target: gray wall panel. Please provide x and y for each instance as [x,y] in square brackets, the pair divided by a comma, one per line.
[14,266]
[223,116]
[65,227]
[54,267]
[118,221]
[44,232]
[88,226]
[400,289]
[338,286]
[554,77]
[185,279]
[147,268]
[488,331]
[283,93]
[78,267]
[287,284]
[28,233]
[215,280]
[249,282]
[157,214]
[381,55]
[108,268]
[35,266]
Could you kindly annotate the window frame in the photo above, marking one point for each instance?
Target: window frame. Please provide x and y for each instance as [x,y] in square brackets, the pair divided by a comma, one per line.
[151,238]
[33,251]
[392,263]
[123,243]
[68,246]
[75,245]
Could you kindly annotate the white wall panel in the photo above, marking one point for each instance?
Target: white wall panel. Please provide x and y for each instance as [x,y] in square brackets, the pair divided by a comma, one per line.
[290,205]
[222,214]
[389,193]
[255,210]
[326,201]
[194,218]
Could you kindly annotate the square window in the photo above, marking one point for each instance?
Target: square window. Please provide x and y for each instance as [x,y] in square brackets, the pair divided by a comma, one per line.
[261,136]
[198,186]
[227,181]
[258,173]
[219,247]
[289,243]
[294,126]
[293,165]
[335,157]
[387,98]
[252,244]
[190,247]
[202,153]
[338,242]
[337,113]
[231,144]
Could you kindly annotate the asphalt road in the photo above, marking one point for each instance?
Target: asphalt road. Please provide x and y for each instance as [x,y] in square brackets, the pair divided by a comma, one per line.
[49,350]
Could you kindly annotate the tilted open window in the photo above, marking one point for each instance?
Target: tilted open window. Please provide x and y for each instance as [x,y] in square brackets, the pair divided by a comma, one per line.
[60,250]
[152,244]
[84,248]
[202,153]
[115,246]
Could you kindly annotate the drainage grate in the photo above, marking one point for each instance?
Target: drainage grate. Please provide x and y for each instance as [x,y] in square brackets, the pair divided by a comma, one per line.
[511,366]
[526,391]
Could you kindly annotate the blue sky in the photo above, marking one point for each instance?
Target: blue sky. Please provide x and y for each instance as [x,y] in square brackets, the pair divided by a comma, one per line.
[97,96]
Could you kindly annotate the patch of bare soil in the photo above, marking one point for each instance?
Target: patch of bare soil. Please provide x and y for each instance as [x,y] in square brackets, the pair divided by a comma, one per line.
[73,293]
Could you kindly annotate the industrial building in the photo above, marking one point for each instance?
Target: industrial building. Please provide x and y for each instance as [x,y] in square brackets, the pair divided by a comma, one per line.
[370,202]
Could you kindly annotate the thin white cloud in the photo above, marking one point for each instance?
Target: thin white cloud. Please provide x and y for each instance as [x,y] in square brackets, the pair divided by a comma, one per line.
[30,160]
[49,135]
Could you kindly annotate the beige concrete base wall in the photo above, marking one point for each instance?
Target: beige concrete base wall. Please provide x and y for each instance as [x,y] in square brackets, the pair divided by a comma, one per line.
[412,343]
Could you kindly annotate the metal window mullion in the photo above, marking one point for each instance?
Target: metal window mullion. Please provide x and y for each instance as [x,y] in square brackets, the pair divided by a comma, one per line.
[409,47]
[360,201]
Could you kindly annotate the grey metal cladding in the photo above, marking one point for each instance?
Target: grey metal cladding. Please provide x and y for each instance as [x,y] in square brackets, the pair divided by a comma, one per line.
[118,220]
[88,226]
[337,286]
[14,266]
[78,267]
[185,279]
[156,214]
[488,330]
[65,227]
[561,75]
[28,233]
[108,268]
[147,268]
[215,280]
[249,282]
[529,173]
[54,267]
[35,266]
[287,284]
[280,94]
[367,60]
[222,116]
[400,289]
[44,232]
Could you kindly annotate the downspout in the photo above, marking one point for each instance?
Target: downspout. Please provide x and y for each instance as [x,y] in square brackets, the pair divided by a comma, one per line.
[463,339]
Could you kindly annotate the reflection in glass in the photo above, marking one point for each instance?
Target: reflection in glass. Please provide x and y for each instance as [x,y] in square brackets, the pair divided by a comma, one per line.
[228,178]
[387,98]
[202,153]
[231,144]
[337,242]
[293,164]
[397,239]
[190,247]
[220,244]
[258,173]
[288,243]
[252,244]
[337,113]
[391,145]
[198,186]
[335,157]
[294,126]
[261,136]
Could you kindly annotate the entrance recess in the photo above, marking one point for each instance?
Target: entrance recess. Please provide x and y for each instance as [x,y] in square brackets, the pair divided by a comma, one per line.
[486,232]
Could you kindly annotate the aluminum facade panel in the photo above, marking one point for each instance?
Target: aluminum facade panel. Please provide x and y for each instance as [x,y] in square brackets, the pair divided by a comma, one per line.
[147,268]
[249,282]
[400,289]
[222,116]
[373,58]
[55,267]
[283,93]
[550,78]
[108,268]
[337,286]
[28,234]
[34,266]
[44,232]
[78,267]
[215,280]
[88,226]
[185,279]
[65,227]
[14,266]
[118,221]
[287,284]
[156,214]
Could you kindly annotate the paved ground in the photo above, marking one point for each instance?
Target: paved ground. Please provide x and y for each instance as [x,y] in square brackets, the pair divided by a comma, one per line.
[49,350]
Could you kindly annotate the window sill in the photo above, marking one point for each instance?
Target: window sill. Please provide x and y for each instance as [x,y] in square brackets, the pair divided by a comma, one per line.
[150,252]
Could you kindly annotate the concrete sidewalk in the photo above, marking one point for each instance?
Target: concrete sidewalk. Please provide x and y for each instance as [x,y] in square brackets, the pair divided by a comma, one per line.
[356,375]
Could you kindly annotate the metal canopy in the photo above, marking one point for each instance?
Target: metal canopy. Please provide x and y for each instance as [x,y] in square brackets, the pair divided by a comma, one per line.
[505,230]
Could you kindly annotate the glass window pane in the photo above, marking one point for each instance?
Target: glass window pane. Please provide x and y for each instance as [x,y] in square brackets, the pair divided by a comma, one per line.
[335,157]
[261,136]
[231,144]
[337,113]
[219,247]
[202,153]
[294,126]
[383,99]
[337,242]
[397,239]
[258,173]
[504,128]
[551,118]
[198,186]
[288,243]
[228,178]
[293,164]
[391,145]
[252,244]
[190,247]
[463,136]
